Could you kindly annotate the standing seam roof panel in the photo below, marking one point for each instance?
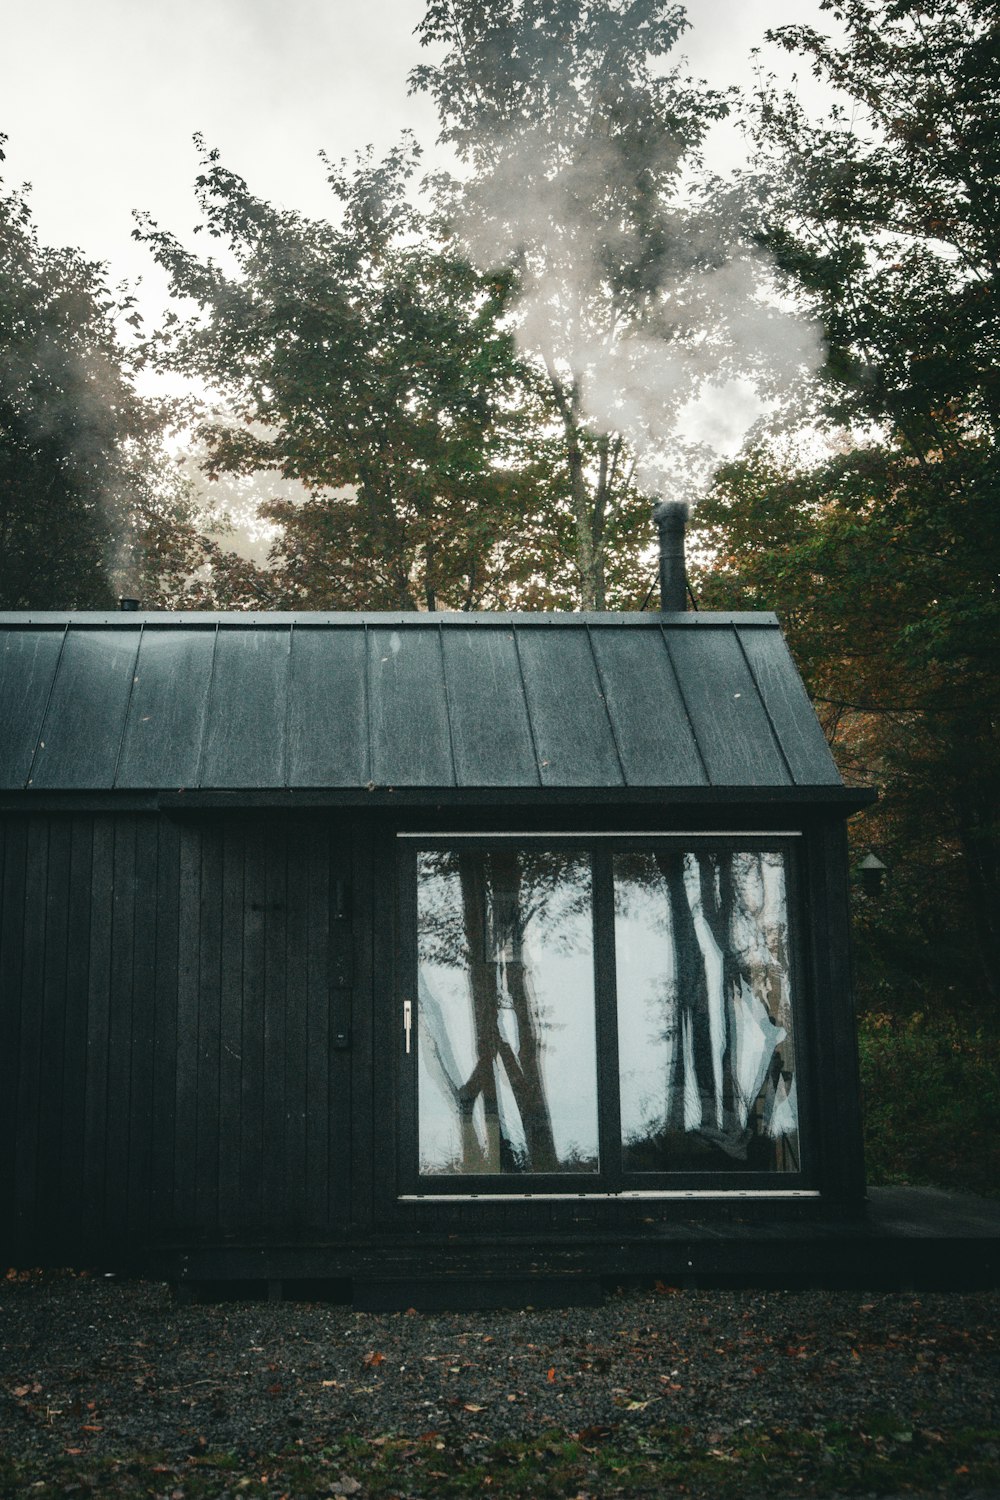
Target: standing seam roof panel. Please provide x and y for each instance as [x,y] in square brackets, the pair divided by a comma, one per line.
[730,722]
[328,707]
[490,731]
[27,668]
[795,723]
[572,732]
[411,701]
[245,733]
[410,733]
[166,709]
[650,722]
[81,735]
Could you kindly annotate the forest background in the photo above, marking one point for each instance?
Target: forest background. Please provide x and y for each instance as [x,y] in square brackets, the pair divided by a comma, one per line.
[464,391]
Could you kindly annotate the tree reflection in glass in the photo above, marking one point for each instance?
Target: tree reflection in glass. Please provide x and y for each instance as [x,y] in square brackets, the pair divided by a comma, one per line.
[704,1012]
[507,1076]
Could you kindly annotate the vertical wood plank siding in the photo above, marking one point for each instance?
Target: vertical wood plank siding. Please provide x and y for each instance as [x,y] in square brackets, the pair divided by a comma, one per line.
[166,1068]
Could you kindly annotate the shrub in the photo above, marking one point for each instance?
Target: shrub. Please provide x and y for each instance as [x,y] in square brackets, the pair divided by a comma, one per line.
[932,1102]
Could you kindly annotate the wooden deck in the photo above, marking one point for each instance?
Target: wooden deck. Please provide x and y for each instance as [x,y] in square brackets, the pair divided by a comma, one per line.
[920,1238]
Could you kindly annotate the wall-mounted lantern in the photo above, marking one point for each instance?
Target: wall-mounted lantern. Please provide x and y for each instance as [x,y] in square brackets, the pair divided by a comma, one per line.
[873,873]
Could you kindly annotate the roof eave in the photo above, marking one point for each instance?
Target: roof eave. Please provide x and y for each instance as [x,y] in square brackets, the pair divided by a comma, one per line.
[843,799]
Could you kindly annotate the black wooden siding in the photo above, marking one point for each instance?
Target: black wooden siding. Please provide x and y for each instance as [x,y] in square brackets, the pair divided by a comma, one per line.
[168,1067]
[610,703]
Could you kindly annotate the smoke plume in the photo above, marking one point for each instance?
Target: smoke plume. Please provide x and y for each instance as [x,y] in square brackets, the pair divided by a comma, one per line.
[672,334]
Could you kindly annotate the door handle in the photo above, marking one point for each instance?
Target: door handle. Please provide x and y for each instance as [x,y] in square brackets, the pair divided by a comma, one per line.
[407,1022]
[340,1013]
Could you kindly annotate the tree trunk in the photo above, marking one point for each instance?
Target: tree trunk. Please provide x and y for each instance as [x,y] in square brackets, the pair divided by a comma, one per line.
[691,1009]
[529,1087]
[486,943]
[482,980]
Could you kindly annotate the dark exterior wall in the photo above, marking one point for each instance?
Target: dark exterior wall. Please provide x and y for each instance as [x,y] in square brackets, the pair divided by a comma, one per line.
[174,995]
[168,993]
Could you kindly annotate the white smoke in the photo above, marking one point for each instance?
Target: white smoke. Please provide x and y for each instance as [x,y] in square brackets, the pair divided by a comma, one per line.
[683,369]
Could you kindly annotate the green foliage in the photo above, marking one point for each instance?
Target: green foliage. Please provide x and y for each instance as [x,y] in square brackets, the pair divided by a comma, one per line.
[890,609]
[368,360]
[932,1101]
[62,425]
[882,556]
[888,213]
[359,361]
[88,499]
[882,1454]
[576,138]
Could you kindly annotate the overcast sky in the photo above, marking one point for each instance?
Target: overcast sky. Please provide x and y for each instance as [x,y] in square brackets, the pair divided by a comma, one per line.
[100,99]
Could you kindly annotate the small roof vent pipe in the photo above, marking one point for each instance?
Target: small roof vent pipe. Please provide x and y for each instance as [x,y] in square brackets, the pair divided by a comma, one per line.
[671,520]
[129,605]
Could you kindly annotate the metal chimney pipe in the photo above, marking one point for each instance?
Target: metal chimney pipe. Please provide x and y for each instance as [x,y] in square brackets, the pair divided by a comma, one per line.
[671,520]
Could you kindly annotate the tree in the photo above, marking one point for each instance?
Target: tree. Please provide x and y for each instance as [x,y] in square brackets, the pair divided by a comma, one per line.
[865,579]
[888,214]
[357,360]
[883,554]
[634,291]
[84,480]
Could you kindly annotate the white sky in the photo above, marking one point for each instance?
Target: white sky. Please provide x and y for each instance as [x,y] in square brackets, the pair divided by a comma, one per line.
[100,100]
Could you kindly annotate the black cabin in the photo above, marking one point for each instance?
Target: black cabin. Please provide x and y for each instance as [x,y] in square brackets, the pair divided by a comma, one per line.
[334,946]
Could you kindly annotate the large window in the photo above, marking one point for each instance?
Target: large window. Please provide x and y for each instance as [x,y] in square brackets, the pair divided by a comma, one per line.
[605,1015]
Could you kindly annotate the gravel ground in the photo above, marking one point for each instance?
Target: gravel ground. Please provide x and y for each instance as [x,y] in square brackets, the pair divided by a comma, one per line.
[94,1366]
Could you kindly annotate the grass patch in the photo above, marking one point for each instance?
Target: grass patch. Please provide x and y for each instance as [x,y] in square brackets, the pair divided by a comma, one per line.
[932,1102]
[882,1456]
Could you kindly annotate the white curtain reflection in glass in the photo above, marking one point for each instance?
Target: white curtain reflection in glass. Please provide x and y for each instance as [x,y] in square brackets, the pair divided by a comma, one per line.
[507,1072]
[704,1012]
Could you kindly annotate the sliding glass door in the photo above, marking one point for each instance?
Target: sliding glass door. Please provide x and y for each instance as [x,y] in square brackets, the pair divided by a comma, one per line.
[606,1015]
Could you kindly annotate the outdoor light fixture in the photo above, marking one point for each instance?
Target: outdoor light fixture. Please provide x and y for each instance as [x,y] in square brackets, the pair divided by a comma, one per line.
[873,873]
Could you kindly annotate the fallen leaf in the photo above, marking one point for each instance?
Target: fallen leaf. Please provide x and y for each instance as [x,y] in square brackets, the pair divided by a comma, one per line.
[373,1359]
[471,1406]
[551,1376]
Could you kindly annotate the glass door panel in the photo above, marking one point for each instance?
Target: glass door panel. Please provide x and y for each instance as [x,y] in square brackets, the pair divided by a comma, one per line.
[506,1032]
[705,1044]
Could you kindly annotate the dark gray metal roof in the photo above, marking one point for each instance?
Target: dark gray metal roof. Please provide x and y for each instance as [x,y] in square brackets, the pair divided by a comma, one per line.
[238,701]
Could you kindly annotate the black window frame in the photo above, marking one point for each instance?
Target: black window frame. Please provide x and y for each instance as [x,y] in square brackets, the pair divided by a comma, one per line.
[612,1180]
